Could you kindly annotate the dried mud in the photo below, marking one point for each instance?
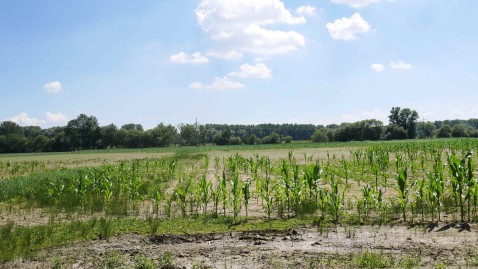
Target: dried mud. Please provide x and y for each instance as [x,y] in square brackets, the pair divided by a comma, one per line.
[336,247]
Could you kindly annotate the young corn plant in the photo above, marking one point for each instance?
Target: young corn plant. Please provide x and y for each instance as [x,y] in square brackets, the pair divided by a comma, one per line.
[322,201]
[267,198]
[335,199]
[182,194]
[169,204]
[246,192]
[367,200]
[312,178]
[286,183]
[172,168]
[403,190]
[436,186]
[236,194]
[345,168]
[135,184]
[296,190]
[379,204]
[55,191]
[204,188]
[216,196]
[420,197]
[267,189]
[462,181]
[224,194]
[157,202]
[471,183]
[82,189]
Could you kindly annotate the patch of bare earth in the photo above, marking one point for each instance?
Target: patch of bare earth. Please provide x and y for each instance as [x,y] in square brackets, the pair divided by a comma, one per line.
[335,247]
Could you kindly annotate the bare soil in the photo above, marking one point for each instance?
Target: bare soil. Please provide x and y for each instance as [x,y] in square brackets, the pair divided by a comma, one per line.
[452,245]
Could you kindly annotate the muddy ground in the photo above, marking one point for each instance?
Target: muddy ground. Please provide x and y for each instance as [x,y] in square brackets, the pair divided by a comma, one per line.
[453,246]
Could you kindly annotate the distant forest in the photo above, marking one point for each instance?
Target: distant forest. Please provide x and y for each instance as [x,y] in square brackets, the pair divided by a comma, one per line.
[84,132]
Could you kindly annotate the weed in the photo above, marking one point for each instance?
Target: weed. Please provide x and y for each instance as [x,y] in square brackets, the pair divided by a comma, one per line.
[113,260]
[143,262]
[166,260]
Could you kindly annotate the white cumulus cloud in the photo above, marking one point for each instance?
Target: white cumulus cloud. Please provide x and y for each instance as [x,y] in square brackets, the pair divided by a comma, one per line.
[56,117]
[218,84]
[400,65]
[355,3]
[183,58]
[348,28]
[305,10]
[25,120]
[259,70]
[377,67]
[51,118]
[239,27]
[52,87]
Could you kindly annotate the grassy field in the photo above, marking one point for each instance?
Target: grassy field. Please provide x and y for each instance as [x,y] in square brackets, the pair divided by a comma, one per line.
[85,208]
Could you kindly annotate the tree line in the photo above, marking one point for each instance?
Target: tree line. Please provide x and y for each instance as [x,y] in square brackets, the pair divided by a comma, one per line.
[84,132]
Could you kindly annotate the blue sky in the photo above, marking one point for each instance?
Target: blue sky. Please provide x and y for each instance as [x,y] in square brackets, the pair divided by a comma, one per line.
[236,61]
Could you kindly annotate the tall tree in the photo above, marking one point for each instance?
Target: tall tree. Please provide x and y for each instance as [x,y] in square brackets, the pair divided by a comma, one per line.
[162,135]
[10,128]
[108,133]
[132,127]
[405,118]
[189,135]
[12,138]
[84,132]
[426,129]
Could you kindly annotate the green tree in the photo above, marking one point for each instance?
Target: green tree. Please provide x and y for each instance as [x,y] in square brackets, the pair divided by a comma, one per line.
[12,138]
[406,118]
[83,132]
[132,127]
[162,135]
[108,133]
[426,129]
[273,138]
[13,143]
[10,128]
[319,135]
[32,131]
[226,135]
[189,135]
[460,130]
[40,144]
[203,134]
[395,132]
[445,131]
[252,140]
[133,139]
[235,140]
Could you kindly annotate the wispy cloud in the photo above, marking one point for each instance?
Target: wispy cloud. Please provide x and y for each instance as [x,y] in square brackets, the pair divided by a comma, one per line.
[377,67]
[52,87]
[259,70]
[400,65]
[305,11]
[183,58]
[218,84]
[355,3]
[56,117]
[348,28]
